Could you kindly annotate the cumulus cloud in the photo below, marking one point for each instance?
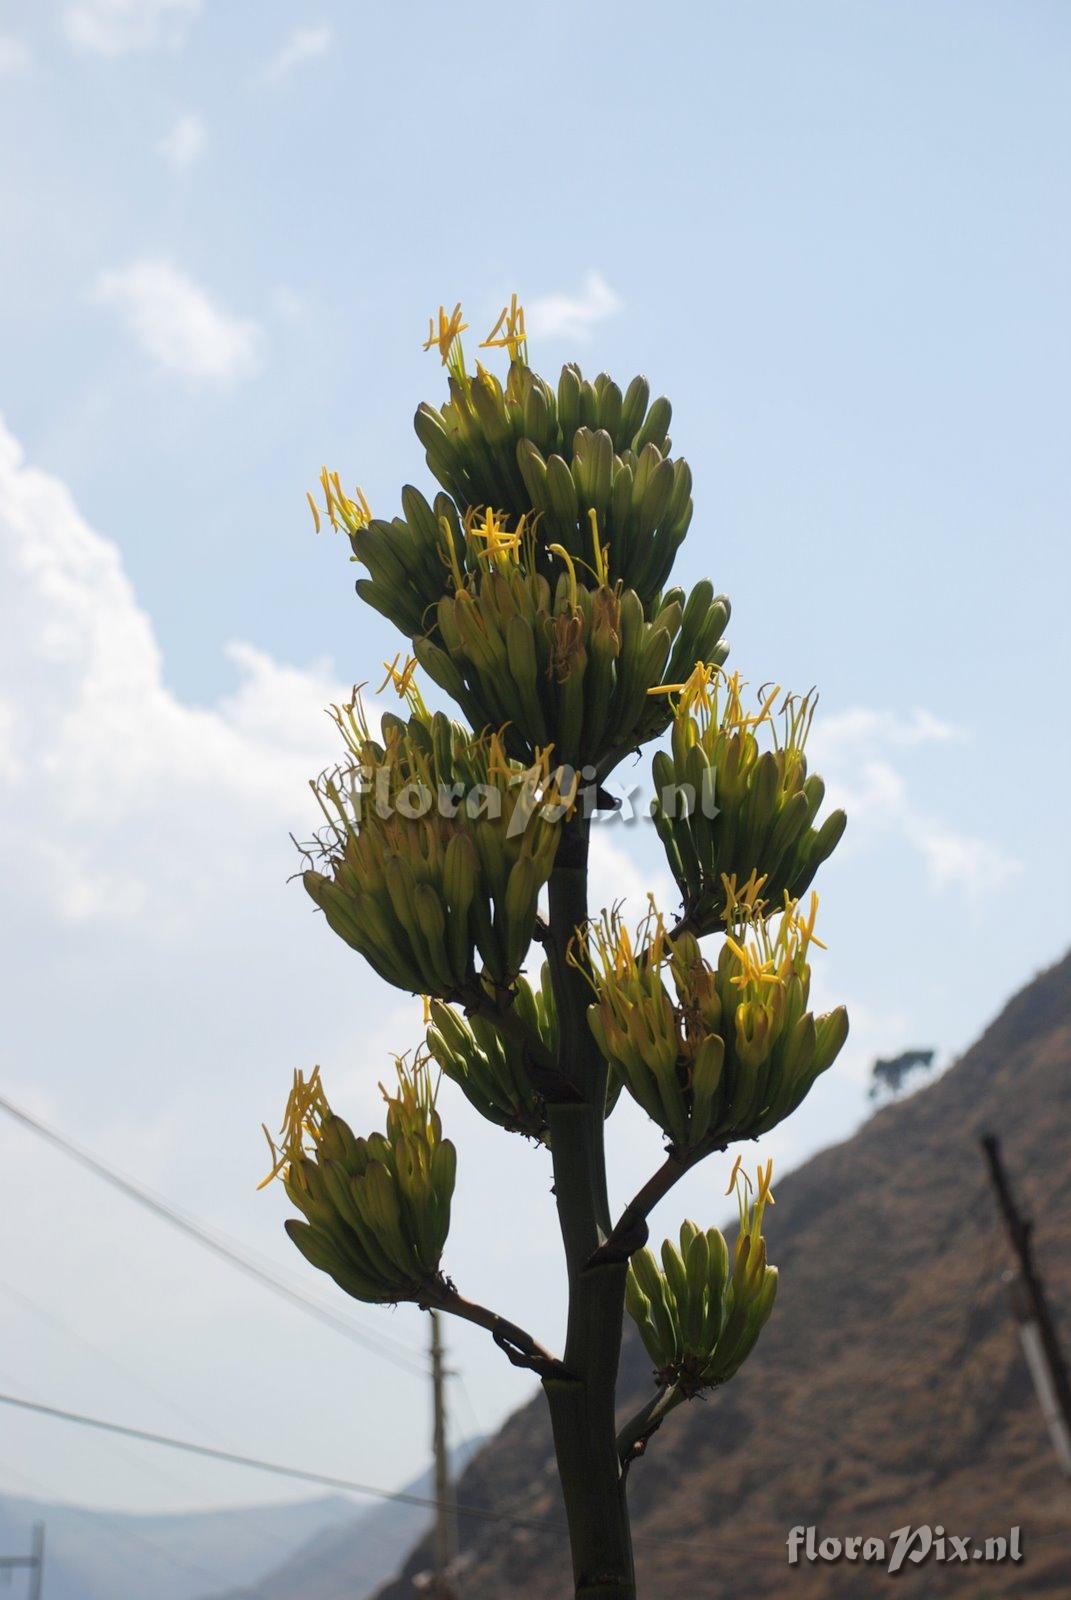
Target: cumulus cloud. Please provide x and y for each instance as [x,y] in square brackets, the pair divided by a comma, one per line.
[179,325]
[184,142]
[304,44]
[98,759]
[14,55]
[856,751]
[118,27]
[572,316]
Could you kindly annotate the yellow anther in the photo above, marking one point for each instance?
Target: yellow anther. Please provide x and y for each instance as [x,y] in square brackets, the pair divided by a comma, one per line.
[306,1111]
[508,332]
[743,904]
[500,545]
[353,514]
[450,328]
[314,509]
[400,677]
[695,690]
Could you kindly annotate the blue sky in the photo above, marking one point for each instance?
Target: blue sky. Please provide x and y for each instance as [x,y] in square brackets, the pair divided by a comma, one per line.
[836,235]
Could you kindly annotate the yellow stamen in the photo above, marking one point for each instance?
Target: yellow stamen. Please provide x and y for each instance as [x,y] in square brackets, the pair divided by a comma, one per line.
[743,904]
[512,337]
[500,545]
[353,514]
[450,328]
[602,551]
[313,509]
[306,1110]
[450,557]
[560,550]
[402,680]
[695,690]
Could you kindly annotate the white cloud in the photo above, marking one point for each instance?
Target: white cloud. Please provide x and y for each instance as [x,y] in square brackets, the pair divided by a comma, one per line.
[564,316]
[863,725]
[179,325]
[100,759]
[304,44]
[162,980]
[14,55]
[963,861]
[185,142]
[852,751]
[117,27]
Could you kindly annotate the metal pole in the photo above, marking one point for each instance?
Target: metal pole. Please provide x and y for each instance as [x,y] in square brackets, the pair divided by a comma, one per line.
[445,1546]
[1037,1330]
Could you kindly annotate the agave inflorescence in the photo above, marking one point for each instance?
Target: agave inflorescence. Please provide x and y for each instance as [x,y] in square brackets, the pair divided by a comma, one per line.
[437,847]
[700,1316]
[725,808]
[377,1209]
[735,1050]
[490,1068]
[540,605]
[533,588]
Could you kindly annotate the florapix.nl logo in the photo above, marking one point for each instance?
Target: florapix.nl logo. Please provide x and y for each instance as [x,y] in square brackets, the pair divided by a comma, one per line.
[902,1545]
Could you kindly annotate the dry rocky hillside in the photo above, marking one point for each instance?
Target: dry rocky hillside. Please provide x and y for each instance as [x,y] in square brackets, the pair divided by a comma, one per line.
[888,1387]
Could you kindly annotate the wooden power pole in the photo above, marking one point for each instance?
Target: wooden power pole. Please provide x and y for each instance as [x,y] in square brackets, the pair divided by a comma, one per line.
[445,1531]
[1037,1331]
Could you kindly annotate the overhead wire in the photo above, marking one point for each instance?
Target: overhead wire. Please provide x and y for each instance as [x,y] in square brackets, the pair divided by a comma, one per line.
[224,1248]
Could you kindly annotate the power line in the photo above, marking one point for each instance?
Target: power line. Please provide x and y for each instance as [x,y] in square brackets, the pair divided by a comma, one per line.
[323,1479]
[328,1480]
[226,1250]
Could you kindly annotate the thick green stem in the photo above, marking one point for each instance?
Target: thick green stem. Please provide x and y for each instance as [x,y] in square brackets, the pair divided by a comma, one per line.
[581,1399]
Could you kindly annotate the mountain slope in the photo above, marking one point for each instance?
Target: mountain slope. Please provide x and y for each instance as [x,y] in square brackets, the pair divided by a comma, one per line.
[350,1559]
[106,1555]
[888,1388]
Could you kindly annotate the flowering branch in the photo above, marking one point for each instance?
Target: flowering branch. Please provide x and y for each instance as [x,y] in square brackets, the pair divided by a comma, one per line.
[519,1346]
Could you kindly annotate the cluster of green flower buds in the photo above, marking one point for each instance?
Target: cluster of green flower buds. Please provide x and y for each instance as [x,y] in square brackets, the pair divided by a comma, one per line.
[725,808]
[488,1063]
[736,1050]
[565,662]
[526,447]
[437,847]
[377,1210]
[492,586]
[701,1315]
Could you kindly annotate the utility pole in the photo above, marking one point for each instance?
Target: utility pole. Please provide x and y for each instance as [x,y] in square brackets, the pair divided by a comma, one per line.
[1037,1331]
[35,1561]
[445,1540]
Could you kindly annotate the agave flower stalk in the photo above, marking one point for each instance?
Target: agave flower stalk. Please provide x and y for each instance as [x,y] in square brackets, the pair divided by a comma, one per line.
[533,589]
